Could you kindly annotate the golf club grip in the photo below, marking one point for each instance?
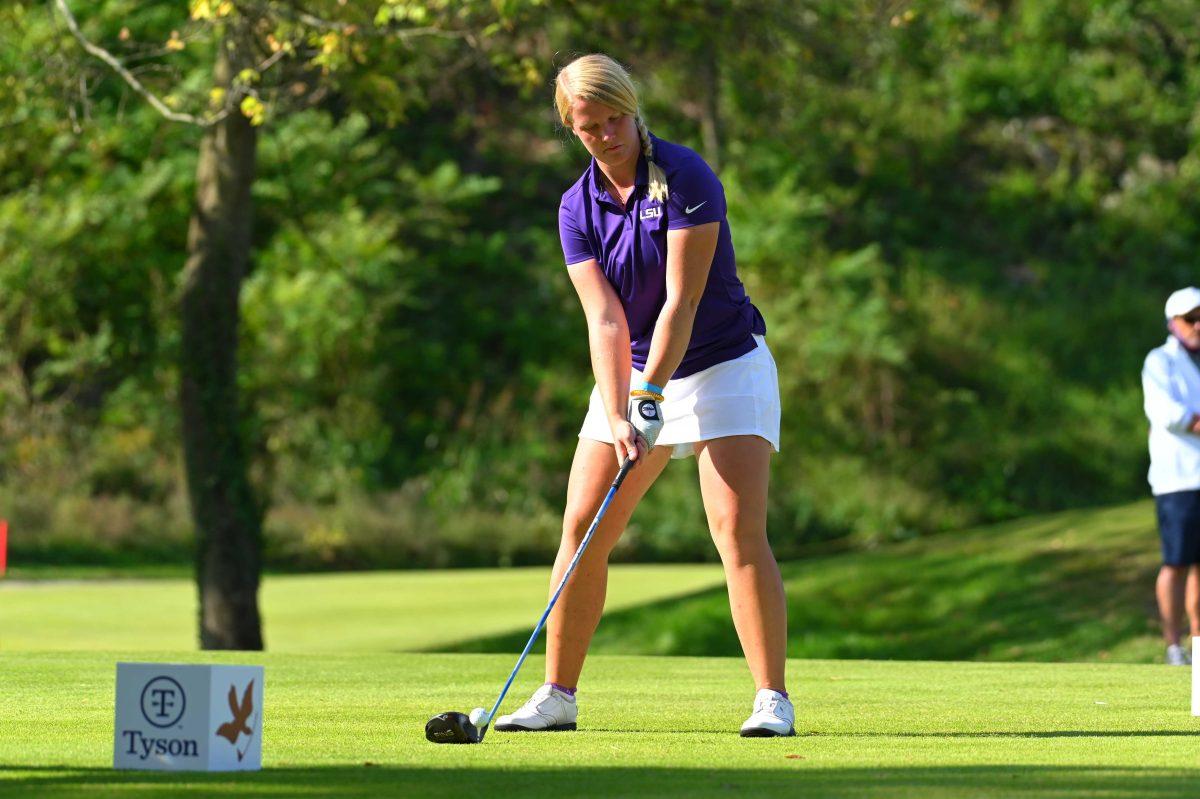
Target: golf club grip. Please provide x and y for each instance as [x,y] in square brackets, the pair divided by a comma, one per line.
[626,465]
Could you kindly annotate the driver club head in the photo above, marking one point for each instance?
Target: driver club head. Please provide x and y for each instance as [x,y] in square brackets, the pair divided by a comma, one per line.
[453,728]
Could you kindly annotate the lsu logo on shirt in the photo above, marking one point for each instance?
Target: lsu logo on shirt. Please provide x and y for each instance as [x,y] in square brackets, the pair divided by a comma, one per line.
[650,213]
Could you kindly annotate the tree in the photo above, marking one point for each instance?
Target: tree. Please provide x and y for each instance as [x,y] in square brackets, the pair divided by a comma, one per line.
[227,516]
[311,50]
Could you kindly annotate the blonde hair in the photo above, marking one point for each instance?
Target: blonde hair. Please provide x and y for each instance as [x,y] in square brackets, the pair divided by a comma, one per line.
[600,79]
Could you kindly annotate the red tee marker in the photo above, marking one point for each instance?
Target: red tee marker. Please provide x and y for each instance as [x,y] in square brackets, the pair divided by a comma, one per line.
[3,546]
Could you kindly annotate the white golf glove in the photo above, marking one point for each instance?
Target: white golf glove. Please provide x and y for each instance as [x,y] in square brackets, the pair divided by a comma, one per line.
[645,414]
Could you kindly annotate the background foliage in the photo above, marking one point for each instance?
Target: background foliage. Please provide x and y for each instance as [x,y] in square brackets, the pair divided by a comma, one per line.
[959,219]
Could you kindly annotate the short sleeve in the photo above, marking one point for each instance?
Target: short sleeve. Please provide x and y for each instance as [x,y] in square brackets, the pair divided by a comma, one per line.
[695,197]
[575,245]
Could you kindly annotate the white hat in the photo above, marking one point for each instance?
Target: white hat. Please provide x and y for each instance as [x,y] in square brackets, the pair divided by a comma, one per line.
[1183,301]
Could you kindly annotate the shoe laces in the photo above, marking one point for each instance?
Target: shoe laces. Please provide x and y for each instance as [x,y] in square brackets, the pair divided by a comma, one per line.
[768,701]
[767,704]
[540,695]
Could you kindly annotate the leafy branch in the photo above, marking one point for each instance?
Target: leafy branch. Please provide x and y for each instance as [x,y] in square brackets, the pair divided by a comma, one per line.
[112,61]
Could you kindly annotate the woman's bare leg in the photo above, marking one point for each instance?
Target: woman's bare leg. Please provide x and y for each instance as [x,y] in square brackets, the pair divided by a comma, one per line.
[734,474]
[574,619]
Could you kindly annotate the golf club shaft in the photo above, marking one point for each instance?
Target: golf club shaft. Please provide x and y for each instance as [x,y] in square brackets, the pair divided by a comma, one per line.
[624,470]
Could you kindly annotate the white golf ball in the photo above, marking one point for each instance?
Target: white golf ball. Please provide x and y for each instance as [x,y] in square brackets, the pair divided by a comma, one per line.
[479,717]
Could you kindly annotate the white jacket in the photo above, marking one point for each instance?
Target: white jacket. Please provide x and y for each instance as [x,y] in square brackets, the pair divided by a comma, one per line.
[1171,384]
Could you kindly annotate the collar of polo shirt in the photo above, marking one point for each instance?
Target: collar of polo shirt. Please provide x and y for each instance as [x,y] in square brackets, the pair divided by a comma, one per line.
[641,180]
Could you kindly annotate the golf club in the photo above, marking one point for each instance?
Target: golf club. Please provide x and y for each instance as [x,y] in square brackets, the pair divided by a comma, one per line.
[452,727]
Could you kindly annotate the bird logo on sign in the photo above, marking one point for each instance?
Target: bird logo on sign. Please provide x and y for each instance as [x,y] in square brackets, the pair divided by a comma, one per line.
[242,711]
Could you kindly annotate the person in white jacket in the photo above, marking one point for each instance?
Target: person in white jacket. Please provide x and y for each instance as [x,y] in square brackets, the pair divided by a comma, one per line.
[1171,383]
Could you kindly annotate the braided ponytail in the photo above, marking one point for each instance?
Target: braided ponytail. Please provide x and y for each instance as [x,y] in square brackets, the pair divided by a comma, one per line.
[598,78]
[658,179]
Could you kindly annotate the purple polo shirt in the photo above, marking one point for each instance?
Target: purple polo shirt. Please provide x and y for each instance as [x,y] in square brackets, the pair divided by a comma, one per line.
[630,244]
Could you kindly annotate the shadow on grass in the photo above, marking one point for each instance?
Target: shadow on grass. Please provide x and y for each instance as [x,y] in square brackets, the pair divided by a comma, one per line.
[946,735]
[1006,603]
[791,778]
[1020,734]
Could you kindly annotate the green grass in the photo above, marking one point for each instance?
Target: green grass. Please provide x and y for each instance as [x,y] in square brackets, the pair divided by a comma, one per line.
[347,696]
[351,725]
[1072,586]
[84,571]
[370,611]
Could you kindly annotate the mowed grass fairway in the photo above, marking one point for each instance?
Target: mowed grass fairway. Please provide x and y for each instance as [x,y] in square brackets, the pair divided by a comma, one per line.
[378,611]
[352,725]
[1072,586]
[357,663]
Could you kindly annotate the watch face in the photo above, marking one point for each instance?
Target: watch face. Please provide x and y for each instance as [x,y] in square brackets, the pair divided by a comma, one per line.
[648,409]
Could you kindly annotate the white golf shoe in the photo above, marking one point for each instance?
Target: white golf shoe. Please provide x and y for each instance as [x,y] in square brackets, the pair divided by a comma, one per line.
[1177,656]
[773,716]
[549,710]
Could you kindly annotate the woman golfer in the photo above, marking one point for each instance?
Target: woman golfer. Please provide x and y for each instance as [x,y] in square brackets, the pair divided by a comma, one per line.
[673,335]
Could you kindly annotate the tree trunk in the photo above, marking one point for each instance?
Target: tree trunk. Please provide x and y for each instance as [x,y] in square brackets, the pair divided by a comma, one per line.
[226,514]
[710,118]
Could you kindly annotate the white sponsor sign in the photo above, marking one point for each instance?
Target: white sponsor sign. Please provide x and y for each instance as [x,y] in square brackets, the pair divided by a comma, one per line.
[1196,676]
[175,717]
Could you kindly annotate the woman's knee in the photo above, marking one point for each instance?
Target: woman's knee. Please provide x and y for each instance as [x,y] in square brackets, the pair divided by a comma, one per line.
[739,538]
[575,527]
[723,525]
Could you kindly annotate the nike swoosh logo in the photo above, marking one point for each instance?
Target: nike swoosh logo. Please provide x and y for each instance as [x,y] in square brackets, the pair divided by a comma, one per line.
[695,207]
